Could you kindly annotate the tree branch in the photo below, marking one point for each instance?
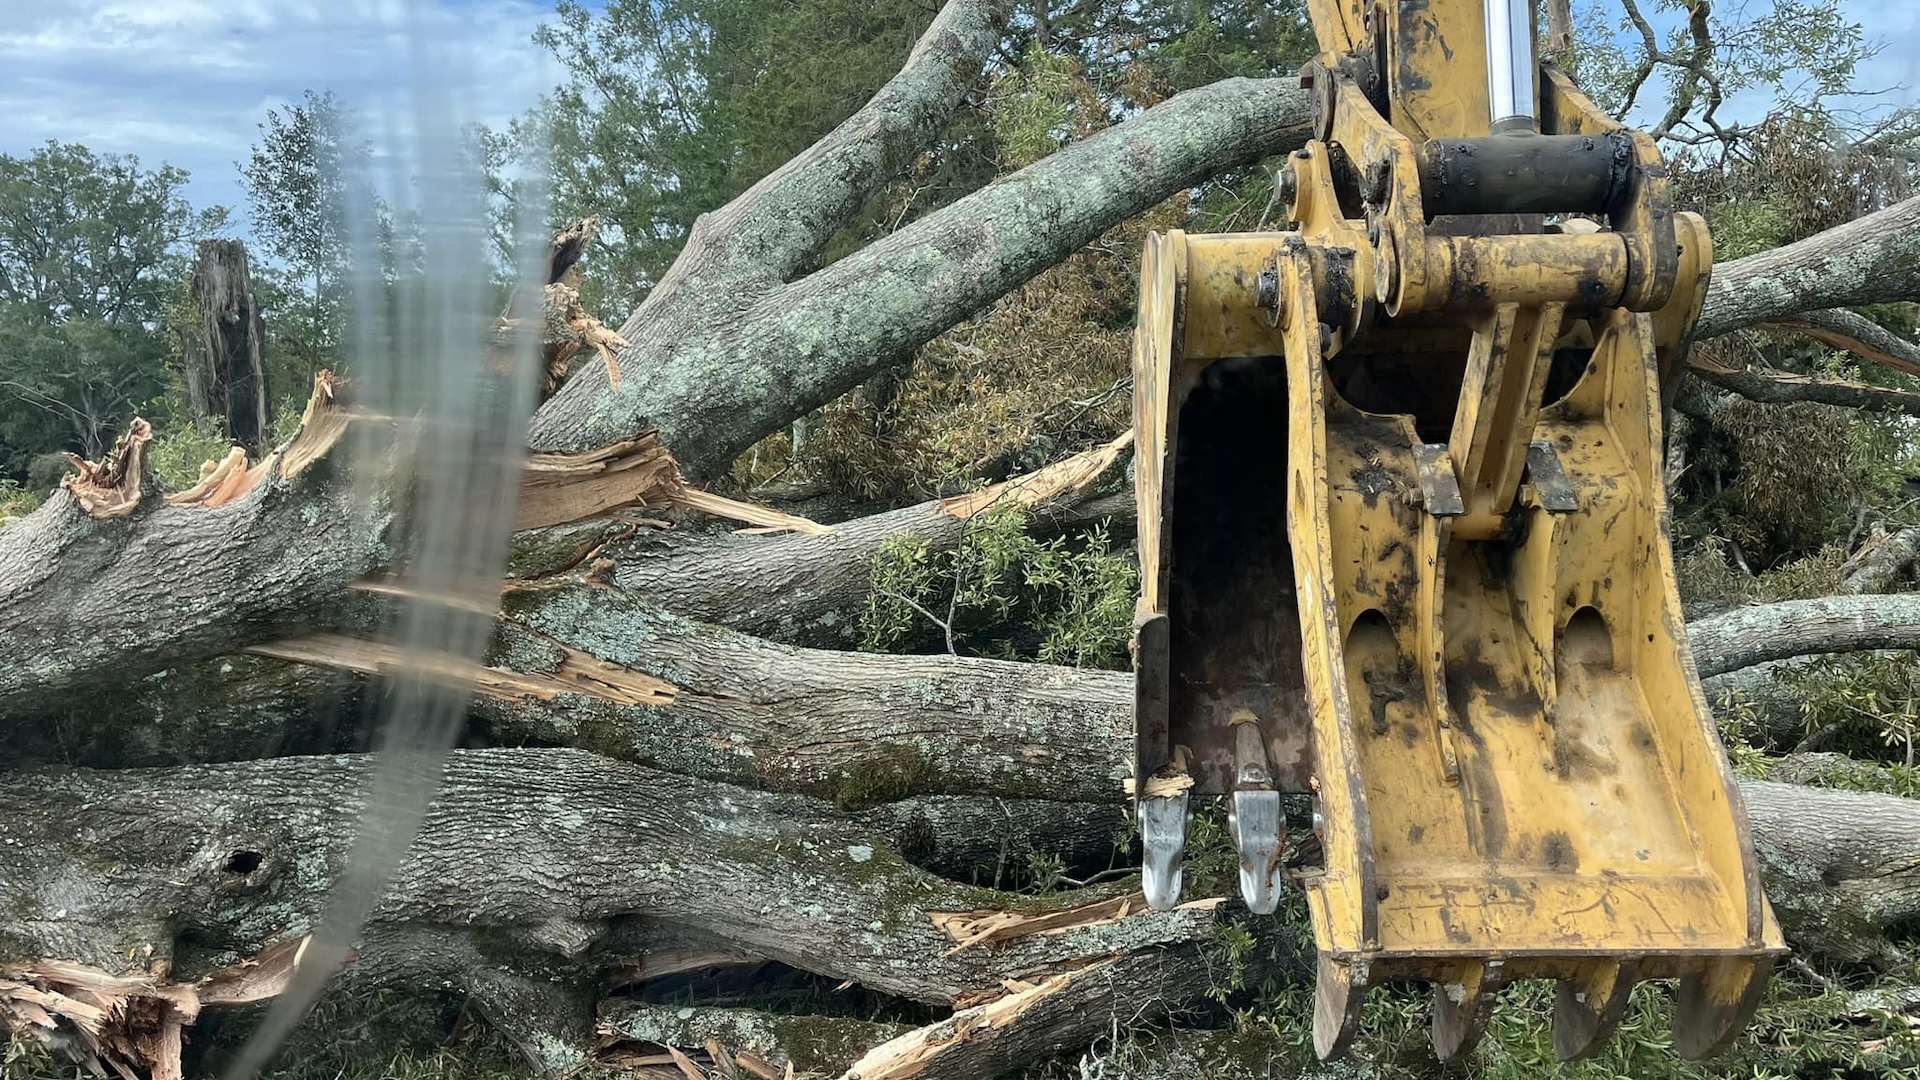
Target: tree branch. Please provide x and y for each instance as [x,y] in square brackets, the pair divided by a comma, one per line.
[1772,387]
[784,352]
[779,226]
[1831,624]
[1871,260]
[1853,333]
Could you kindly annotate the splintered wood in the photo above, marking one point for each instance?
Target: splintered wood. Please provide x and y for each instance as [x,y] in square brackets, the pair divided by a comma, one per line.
[919,1050]
[1172,779]
[326,418]
[971,928]
[110,488]
[569,328]
[113,487]
[1042,485]
[657,1061]
[132,1023]
[638,472]
[577,672]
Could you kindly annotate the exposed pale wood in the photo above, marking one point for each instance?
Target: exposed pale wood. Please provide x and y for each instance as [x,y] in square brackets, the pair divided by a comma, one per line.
[131,1021]
[1068,475]
[576,673]
[637,473]
[112,486]
[991,927]
[1046,1016]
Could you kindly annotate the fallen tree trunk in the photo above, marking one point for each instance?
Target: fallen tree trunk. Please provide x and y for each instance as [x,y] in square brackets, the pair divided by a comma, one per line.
[1872,260]
[1841,868]
[811,590]
[235,858]
[210,862]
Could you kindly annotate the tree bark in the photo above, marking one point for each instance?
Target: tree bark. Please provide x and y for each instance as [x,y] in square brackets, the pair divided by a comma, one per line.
[1871,260]
[1885,559]
[1854,333]
[1841,867]
[92,602]
[1831,624]
[785,350]
[223,351]
[210,861]
[1772,387]
[811,590]
[234,858]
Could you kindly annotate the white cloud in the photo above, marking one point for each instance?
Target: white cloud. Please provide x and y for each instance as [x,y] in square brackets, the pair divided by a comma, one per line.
[189,81]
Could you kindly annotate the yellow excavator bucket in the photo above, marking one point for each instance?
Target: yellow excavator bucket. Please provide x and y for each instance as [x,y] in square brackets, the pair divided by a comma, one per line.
[1403,546]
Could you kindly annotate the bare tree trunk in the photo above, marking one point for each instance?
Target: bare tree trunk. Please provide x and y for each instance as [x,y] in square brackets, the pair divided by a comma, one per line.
[224,349]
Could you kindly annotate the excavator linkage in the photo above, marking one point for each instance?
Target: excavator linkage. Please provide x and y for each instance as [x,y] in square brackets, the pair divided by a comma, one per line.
[1403,547]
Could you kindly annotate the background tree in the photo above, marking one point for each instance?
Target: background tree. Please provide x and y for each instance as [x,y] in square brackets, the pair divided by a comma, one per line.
[92,256]
[297,179]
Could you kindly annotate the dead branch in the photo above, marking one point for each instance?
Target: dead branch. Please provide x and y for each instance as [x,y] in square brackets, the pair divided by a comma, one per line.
[1885,558]
[1854,333]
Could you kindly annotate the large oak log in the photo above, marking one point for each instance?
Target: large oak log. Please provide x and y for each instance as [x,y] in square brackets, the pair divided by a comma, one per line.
[1872,260]
[546,851]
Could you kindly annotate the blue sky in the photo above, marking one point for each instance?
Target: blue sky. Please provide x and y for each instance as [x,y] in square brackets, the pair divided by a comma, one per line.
[188,81]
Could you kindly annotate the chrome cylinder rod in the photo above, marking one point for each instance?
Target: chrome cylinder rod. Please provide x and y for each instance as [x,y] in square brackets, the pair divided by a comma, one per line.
[1510,65]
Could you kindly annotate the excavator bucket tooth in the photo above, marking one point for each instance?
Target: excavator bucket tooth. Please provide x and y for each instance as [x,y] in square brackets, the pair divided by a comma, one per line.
[1163,834]
[1339,989]
[1589,1005]
[1713,1004]
[1254,819]
[1461,1000]
[1255,822]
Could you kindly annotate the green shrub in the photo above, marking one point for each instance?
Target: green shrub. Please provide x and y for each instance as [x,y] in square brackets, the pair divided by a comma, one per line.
[1004,593]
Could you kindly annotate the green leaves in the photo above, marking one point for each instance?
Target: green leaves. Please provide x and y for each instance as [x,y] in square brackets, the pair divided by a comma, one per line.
[92,251]
[297,179]
[1003,593]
